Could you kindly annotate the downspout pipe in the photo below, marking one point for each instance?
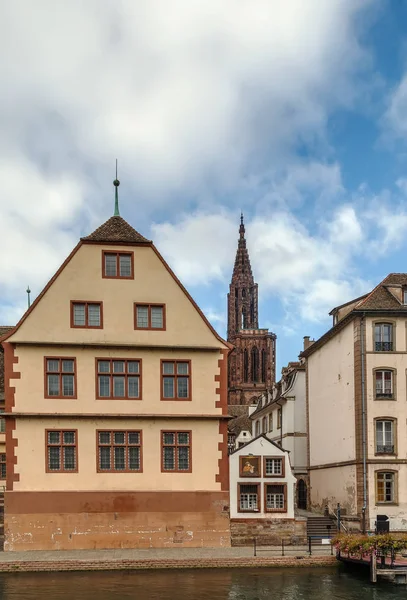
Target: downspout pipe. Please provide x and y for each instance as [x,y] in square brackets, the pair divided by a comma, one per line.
[281,423]
[364,441]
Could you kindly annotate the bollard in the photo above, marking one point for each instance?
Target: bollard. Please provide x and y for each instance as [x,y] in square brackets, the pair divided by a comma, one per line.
[254,546]
[373,568]
[310,545]
[282,547]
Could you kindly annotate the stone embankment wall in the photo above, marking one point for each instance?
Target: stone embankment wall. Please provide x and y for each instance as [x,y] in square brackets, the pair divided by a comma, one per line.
[201,563]
[268,532]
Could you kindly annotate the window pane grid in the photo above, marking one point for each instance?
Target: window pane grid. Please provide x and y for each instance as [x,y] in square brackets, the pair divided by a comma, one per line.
[142,317]
[93,315]
[157,321]
[384,437]
[124,265]
[384,384]
[119,451]
[117,265]
[110,265]
[87,314]
[175,380]
[118,379]
[274,466]
[61,451]
[2,466]
[249,497]
[176,451]
[149,316]
[385,487]
[60,378]
[383,337]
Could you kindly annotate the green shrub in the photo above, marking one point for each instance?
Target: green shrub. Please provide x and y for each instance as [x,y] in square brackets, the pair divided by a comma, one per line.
[358,544]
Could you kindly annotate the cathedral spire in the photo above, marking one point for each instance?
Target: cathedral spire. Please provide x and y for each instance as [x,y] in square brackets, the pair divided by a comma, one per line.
[242,298]
[242,262]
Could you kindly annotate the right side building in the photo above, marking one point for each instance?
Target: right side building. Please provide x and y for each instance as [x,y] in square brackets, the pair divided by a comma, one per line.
[356,396]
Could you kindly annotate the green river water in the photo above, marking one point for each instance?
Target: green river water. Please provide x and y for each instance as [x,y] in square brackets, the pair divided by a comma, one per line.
[220,584]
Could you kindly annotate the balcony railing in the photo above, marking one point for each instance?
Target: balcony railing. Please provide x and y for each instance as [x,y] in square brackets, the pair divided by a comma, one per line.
[384,346]
[386,449]
[384,394]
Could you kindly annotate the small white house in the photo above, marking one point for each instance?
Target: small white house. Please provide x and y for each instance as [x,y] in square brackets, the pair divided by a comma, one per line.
[261,481]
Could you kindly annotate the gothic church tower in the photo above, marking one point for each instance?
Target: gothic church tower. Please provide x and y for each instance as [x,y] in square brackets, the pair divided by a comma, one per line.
[252,362]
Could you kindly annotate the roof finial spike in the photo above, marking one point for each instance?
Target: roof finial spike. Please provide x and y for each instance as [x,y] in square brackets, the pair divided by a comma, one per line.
[28,295]
[241,228]
[116,184]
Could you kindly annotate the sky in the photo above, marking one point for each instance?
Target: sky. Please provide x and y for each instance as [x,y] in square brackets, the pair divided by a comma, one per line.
[293,112]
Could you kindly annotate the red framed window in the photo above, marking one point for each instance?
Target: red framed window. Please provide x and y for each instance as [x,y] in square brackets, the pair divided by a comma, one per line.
[60,377]
[117,265]
[2,466]
[149,316]
[119,451]
[176,447]
[248,497]
[118,379]
[62,451]
[275,497]
[87,315]
[175,380]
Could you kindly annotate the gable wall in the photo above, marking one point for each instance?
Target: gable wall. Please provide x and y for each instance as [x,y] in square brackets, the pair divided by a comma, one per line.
[82,280]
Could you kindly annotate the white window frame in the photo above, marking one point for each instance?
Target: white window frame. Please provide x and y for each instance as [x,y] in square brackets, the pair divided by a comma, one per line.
[383,393]
[274,470]
[386,438]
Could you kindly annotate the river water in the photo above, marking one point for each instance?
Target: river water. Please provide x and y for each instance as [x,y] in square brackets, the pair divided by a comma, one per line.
[220,584]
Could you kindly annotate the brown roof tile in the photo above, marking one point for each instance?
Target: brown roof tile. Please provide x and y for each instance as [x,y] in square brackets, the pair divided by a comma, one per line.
[238,424]
[116,229]
[4,329]
[381,298]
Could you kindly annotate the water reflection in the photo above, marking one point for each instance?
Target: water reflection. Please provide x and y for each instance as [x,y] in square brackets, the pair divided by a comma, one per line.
[235,584]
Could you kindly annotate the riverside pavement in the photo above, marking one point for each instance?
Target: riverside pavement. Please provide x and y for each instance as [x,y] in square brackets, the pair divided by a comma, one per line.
[163,558]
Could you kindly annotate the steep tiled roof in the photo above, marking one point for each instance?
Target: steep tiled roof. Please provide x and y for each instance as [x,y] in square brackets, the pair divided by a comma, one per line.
[381,298]
[4,329]
[346,303]
[116,229]
[238,424]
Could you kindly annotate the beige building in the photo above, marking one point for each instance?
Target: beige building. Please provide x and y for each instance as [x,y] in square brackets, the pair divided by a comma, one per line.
[3,331]
[357,407]
[262,489]
[116,407]
[281,414]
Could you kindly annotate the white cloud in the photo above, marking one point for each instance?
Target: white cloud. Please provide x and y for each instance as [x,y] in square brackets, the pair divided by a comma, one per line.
[200,97]
[310,269]
[199,245]
[396,115]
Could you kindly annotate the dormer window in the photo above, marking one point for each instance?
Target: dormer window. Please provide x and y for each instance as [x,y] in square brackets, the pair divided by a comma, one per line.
[118,265]
[405,295]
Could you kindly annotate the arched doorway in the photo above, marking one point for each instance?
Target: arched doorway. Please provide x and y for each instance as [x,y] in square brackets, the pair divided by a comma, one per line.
[302,494]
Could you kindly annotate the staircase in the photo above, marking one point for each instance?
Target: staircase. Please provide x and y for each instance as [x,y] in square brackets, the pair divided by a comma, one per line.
[321,527]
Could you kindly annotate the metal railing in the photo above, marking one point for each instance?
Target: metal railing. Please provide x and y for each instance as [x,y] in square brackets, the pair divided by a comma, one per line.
[383,346]
[334,514]
[285,546]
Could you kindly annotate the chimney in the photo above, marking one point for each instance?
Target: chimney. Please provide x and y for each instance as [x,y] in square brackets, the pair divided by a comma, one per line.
[307,342]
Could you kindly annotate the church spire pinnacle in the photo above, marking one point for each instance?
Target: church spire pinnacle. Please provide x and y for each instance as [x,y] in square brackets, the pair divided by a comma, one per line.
[241,228]
[242,298]
[116,184]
